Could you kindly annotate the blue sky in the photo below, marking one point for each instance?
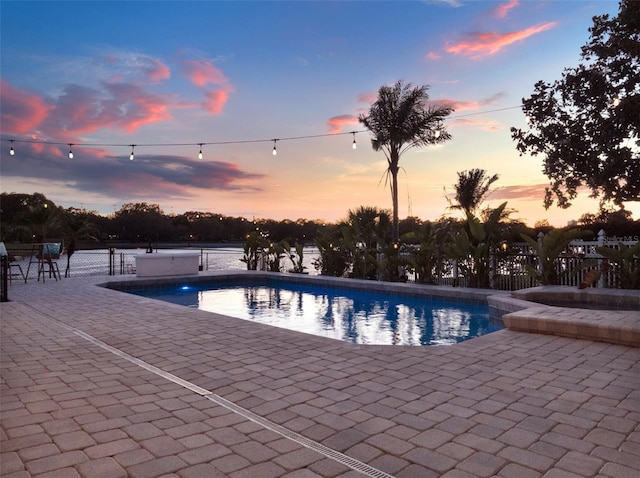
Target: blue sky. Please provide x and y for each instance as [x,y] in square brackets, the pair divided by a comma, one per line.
[166,76]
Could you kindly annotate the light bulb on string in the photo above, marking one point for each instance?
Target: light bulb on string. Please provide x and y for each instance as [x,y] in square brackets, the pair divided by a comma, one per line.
[131,156]
[275,151]
[70,151]
[200,153]
[354,145]
[11,150]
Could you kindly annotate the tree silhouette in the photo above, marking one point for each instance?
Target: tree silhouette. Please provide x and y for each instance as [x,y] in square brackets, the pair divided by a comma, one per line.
[472,189]
[587,124]
[400,119]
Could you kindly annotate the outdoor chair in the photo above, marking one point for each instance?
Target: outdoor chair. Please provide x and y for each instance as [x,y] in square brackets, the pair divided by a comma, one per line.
[47,254]
[15,269]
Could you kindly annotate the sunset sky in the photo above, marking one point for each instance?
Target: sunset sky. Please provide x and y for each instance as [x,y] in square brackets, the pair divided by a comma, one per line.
[167,76]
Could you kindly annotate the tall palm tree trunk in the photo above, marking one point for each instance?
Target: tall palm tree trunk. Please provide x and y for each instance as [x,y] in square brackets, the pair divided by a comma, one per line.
[394,199]
[393,170]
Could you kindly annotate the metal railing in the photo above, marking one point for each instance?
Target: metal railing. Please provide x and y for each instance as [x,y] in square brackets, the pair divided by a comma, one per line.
[4,278]
[508,269]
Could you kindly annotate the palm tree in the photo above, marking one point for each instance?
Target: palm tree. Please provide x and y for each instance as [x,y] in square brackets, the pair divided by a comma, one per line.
[472,189]
[401,119]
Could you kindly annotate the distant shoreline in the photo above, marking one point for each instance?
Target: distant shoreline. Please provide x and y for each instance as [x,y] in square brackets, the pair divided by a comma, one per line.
[159,245]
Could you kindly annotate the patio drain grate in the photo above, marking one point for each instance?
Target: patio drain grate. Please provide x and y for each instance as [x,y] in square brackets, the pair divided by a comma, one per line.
[300,439]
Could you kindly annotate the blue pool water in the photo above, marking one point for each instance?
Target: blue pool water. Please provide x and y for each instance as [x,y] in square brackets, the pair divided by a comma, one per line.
[349,315]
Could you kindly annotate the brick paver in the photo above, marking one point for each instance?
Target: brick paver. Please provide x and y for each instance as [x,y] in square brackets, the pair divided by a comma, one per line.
[506,404]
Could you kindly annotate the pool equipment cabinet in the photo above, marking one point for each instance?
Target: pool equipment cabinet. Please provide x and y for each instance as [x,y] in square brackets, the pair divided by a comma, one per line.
[164,265]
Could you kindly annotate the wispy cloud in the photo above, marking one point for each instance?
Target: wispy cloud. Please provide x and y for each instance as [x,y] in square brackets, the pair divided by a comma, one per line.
[487,125]
[121,95]
[336,123]
[203,73]
[20,110]
[482,44]
[158,71]
[81,110]
[502,10]
[125,67]
[148,176]
[215,101]
[521,192]
[469,105]
[368,98]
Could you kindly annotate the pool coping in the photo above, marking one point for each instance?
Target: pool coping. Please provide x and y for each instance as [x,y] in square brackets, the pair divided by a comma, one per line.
[517,309]
[474,296]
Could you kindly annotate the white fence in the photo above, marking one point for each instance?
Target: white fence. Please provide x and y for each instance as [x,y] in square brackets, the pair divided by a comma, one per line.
[508,270]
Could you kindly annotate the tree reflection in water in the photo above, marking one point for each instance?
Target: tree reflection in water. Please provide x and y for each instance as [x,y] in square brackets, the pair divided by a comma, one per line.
[350,315]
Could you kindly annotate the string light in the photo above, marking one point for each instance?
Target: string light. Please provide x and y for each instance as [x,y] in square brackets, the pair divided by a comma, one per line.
[274,152]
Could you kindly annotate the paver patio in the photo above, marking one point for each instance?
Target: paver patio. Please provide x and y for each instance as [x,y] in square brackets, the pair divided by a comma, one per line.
[98,383]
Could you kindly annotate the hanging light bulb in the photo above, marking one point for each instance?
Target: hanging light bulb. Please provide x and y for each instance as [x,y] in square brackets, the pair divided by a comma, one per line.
[200,153]
[70,152]
[275,151]
[11,150]
[131,156]
[354,145]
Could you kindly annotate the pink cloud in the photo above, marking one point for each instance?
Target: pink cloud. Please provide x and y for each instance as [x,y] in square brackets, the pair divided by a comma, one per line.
[488,125]
[459,105]
[81,110]
[156,176]
[336,123]
[502,10]
[370,97]
[158,71]
[530,192]
[140,108]
[489,43]
[215,101]
[21,111]
[202,73]
[432,55]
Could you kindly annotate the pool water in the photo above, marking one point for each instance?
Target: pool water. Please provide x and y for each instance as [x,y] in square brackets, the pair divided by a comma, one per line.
[350,315]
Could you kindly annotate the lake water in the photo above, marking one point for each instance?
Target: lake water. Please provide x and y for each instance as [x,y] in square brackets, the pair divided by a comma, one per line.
[96,262]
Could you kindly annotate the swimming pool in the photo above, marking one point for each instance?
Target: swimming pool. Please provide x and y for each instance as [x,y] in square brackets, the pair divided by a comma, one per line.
[348,314]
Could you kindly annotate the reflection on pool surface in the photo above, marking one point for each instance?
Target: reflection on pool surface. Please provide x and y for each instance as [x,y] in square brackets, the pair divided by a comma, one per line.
[349,315]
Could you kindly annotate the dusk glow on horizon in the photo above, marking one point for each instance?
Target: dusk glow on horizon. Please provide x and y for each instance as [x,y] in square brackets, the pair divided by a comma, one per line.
[185,104]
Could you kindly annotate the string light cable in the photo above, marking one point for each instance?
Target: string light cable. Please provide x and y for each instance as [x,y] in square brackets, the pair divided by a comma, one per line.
[202,144]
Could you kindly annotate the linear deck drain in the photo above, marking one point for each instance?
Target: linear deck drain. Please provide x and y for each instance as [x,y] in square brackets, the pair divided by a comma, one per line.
[300,439]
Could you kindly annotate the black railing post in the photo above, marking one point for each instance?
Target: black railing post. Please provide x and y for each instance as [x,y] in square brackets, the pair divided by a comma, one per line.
[111,261]
[4,275]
